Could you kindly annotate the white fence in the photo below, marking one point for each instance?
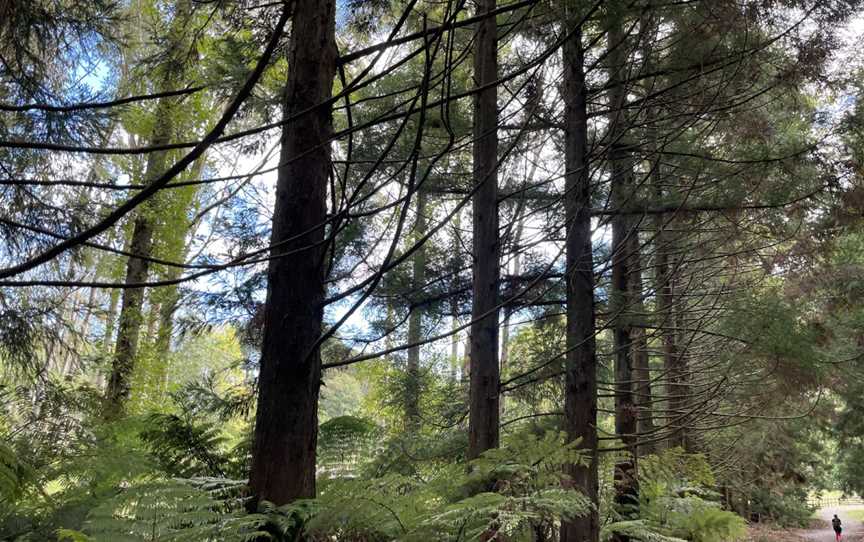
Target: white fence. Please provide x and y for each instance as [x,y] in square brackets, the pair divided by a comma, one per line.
[835,501]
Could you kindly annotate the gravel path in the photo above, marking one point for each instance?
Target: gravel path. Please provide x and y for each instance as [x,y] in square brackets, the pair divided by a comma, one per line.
[826,534]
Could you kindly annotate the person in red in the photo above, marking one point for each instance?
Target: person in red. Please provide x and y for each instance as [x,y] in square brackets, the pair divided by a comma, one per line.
[838,527]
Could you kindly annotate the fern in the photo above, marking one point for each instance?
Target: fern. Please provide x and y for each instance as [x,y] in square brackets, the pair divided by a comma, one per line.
[344,444]
[528,493]
[71,535]
[493,513]
[676,503]
[11,473]
[185,448]
[204,509]
[637,529]
[705,522]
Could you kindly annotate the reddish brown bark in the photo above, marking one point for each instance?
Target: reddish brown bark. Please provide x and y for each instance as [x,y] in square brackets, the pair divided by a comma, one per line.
[483,421]
[286,424]
[580,385]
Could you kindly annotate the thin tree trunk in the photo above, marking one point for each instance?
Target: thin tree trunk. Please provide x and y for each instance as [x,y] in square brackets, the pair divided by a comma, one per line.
[483,421]
[141,244]
[466,360]
[580,383]
[415,320]
[110,317]
[680,385]
[169,296]
[665,319]
[505,333]
[456,369]
[508,312]
[642,361]
[286,424]
[137,269]
[664,245]
[622,295]
[454,341]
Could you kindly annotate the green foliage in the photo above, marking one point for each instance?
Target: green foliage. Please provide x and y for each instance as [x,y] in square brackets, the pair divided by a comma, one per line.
[787,507]
[509,490]
[184,447]
[9,472]
[19,331]
[775,334]
[344,443]
[342,393]
[522,484]
[636,530]
[202,509]
[677,503]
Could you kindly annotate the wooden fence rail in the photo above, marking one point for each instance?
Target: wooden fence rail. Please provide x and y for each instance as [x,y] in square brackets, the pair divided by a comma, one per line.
[828,502]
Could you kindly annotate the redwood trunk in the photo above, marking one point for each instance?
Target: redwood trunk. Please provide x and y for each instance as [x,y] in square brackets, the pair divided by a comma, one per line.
[484,415]
[622,295]
[286,424]
[580,392]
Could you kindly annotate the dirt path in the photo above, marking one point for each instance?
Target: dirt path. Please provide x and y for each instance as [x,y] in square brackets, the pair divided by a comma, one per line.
[852,529]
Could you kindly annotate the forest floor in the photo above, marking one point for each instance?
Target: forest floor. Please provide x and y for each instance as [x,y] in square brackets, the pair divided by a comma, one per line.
[820,529]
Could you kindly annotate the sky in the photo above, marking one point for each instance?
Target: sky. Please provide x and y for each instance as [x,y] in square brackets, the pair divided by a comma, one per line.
[99,79]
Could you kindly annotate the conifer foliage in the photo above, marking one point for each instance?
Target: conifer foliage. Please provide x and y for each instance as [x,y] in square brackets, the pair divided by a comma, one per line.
[513,270]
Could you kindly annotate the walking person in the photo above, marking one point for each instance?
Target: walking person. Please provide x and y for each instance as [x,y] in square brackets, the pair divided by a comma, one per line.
[838,527]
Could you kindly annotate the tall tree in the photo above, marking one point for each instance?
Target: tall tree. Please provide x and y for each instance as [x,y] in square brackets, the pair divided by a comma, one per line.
[623,234]
[415,319]
[286,424]
[580,381]
[141,244]
[483,430]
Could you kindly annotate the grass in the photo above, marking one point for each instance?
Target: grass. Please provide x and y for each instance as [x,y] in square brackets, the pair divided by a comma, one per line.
[857,515]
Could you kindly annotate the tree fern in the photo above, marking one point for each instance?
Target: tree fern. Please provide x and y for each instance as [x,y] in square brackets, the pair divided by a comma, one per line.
[637,529]
[344,443]
[175,510]
[529,493]
[676,503]
[183,447]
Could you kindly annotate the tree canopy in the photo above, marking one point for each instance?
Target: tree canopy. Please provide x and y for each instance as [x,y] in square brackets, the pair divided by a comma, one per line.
[540,270]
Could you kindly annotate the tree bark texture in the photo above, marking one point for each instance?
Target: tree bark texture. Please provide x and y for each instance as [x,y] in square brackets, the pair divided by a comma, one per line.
[622,295]
[131,316]
[483,421]
[580,383]
[286,423]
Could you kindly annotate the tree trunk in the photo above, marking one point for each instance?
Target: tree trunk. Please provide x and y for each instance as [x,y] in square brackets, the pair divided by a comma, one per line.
[622,295]
[508,312]
[169,296]
[641,359]
[415,320]
[484,415]
[137,269]
[680,376]
[580,384]
[286,424]
[456,369]
[664,246]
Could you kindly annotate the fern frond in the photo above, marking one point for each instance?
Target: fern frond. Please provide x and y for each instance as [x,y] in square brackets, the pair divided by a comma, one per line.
[635,530]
